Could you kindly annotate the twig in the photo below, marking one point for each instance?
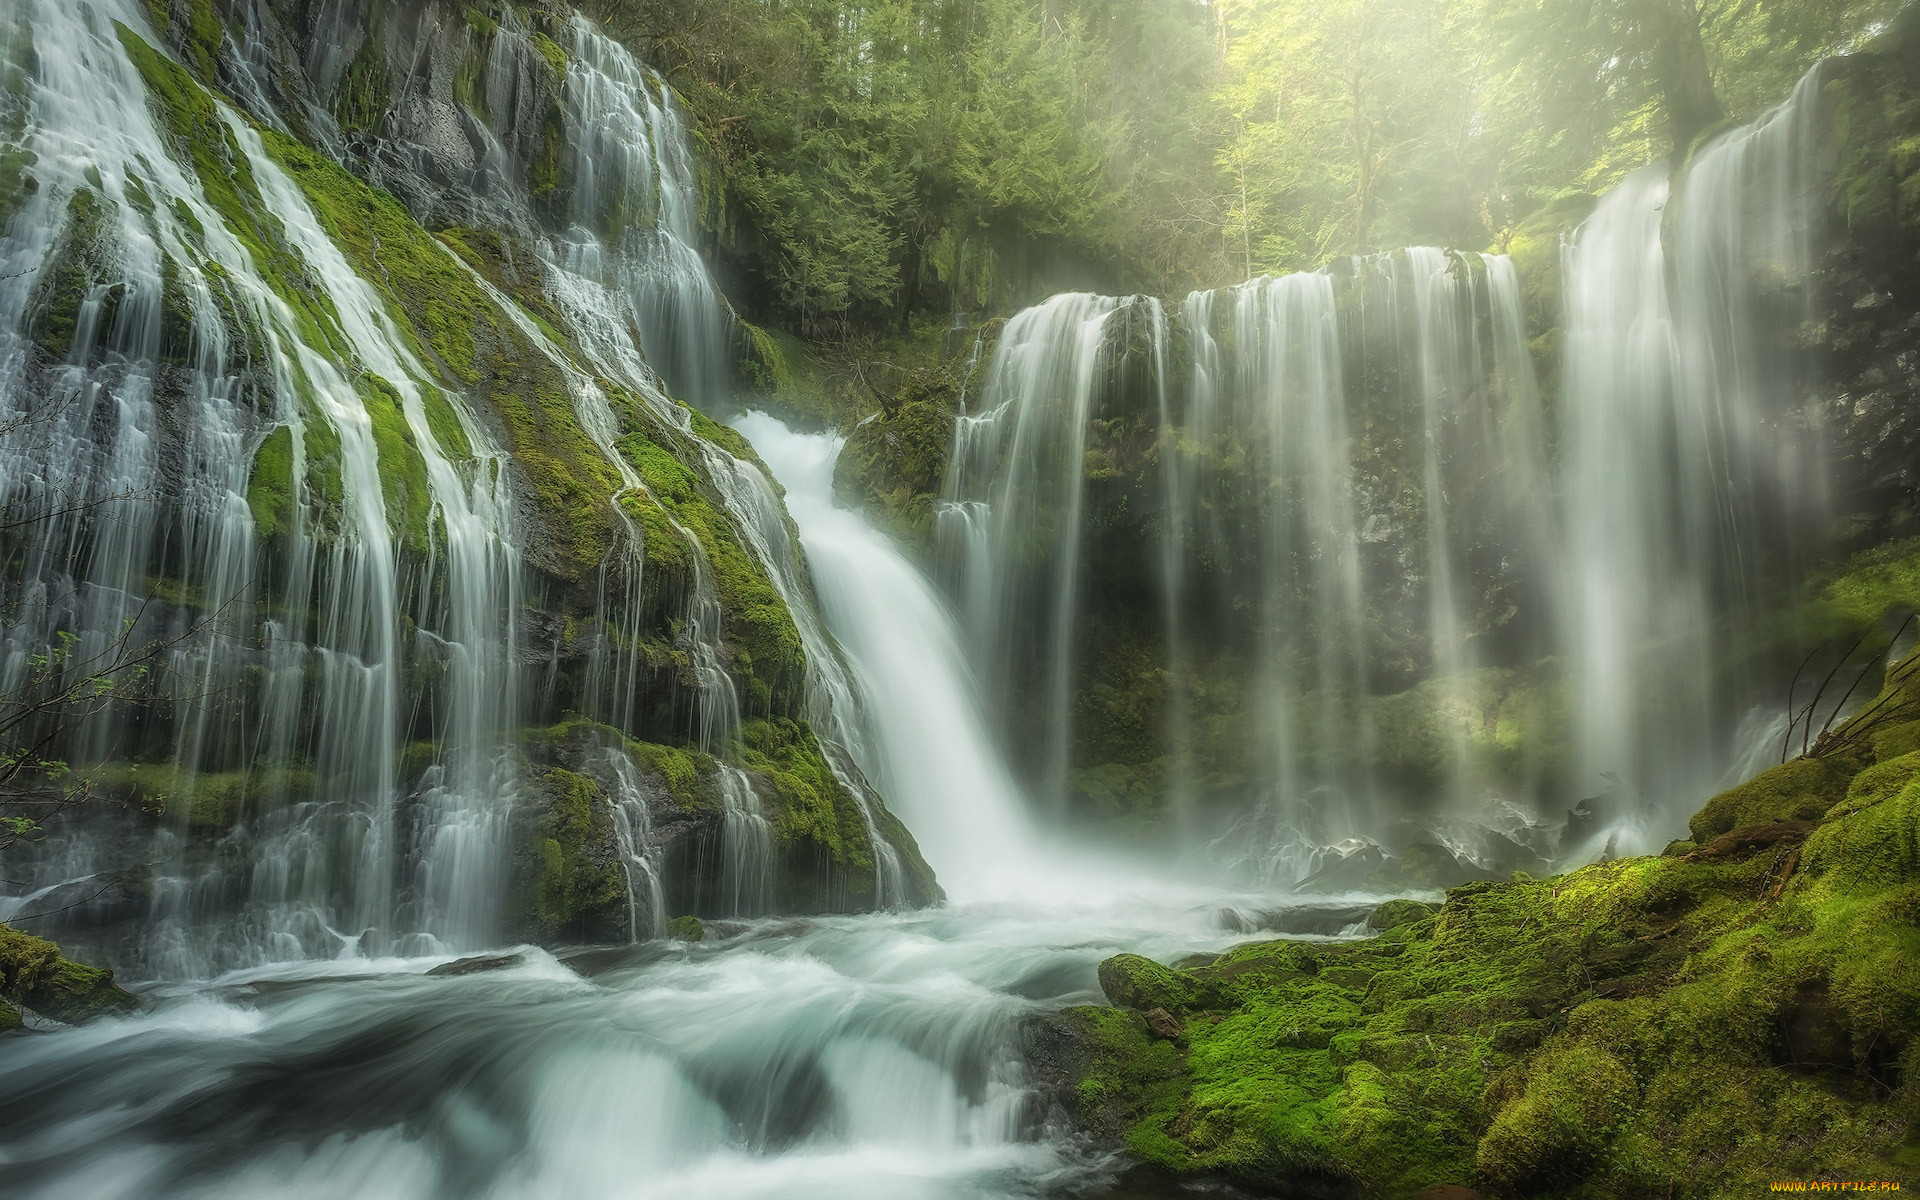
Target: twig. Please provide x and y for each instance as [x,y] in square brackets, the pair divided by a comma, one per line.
[1806,734]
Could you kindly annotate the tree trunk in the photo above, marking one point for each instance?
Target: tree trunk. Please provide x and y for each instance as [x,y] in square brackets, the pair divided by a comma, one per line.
[1672,28]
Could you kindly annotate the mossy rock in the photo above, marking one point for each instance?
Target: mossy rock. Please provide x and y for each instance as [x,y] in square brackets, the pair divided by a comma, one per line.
[1878,783]
[34,975]
[1603,1033]
[894,465]
[1131,981]
[1395,913]
[577,888]
[1801,790]
[686,929]
[1561,1125]
[80,261]
[1877,845]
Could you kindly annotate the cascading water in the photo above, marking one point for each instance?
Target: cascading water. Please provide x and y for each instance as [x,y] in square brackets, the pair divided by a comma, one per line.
[309,641]
[868,1056]
[1019,465]
[929,751]
[635,215]
[1351,456]
[1274,543]
[377,607]
[1694,471]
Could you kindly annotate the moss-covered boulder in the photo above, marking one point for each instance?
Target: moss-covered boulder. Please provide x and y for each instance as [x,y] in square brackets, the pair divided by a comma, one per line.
[1801,790]
[894,464]
[34,975]
[1395,913]
[1131,981]
[1568,1107]
[577,890]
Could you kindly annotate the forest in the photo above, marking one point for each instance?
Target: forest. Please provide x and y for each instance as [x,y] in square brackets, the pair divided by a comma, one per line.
[1159,147]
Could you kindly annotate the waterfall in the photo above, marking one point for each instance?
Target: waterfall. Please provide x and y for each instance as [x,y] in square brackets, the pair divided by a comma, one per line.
[1695,472]
[1019,464]
[1331,445]
[1358,489]
[634,211]
[266,479]
[308,632]
[626,265]
[930,751]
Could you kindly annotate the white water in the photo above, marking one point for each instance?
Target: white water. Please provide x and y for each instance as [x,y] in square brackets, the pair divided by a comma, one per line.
[932,757]
[852,1057]
[1401,512]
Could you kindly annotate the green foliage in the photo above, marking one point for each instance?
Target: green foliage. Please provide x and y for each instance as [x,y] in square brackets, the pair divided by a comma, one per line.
[854,150]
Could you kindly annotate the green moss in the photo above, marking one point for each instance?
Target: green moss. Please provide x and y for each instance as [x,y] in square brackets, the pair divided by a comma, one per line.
[1395,913]
[550,51]
[270,484]
[686,929]
[1562,1124]
[80,261]
[895,465]
[677,767]
[206,802]
[1875,844]
[1698,1023]
[456,327]
[543,173]
[574,887]
[204,36]
[809,805]
[17,181]
[364,95]
[202,141]
[1131,981]
[1801,790]
[32,973]
[403,472]
[1875,582]
[766,653]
